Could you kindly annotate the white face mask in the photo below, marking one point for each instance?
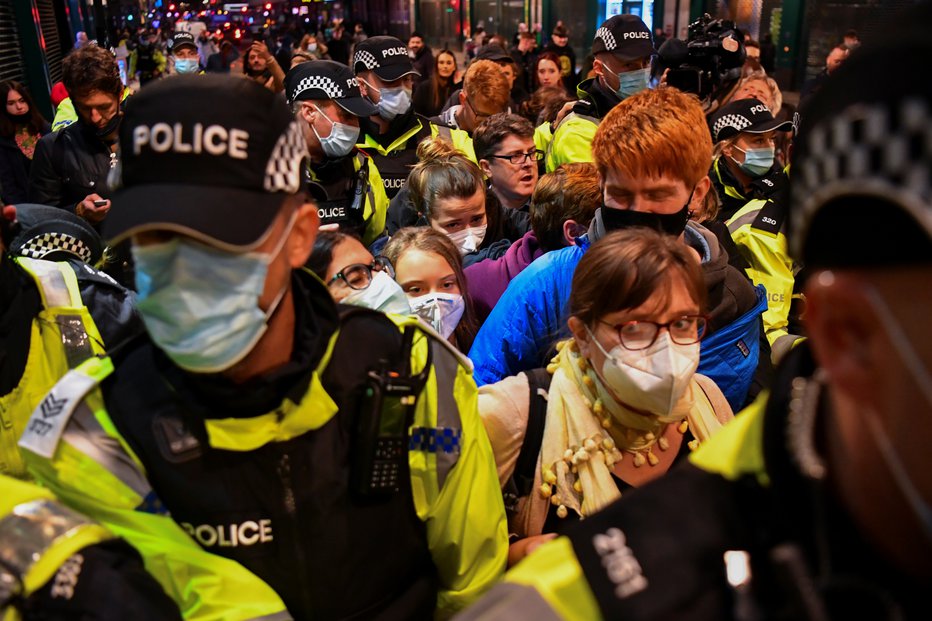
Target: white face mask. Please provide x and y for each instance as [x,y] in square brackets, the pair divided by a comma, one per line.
[382,294]
[469,239]
[442,311]
[652,379]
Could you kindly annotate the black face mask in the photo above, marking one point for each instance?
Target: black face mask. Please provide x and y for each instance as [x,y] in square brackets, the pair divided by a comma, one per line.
[667,223]
[20,119]
[111,125]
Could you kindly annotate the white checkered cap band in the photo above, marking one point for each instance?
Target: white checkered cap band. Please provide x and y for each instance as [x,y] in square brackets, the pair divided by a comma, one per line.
[42,245]
[729,120]
[606,35]
[868,149]
[323,83]
[283,171]
[364,57]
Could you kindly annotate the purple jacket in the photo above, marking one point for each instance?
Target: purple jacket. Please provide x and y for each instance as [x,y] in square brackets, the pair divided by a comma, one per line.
[488,279]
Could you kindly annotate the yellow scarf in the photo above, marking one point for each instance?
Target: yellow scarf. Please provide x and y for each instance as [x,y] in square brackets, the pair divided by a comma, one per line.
[586,426]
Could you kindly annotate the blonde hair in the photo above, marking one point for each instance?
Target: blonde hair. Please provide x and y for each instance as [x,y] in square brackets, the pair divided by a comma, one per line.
[442,172]
[654,133]
[487,80]
[771,84]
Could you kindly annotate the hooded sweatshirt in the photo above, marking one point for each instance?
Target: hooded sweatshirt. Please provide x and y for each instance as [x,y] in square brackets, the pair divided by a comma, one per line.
[488,279]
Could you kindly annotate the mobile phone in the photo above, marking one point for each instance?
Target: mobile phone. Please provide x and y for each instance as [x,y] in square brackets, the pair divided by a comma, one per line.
[101,203]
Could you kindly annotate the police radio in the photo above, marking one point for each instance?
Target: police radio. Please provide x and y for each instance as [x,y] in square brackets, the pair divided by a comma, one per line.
[386,412]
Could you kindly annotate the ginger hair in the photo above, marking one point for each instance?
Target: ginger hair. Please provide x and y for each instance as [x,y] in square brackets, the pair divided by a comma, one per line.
[654,133]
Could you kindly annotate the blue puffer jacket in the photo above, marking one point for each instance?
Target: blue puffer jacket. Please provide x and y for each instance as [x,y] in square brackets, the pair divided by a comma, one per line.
[531,315]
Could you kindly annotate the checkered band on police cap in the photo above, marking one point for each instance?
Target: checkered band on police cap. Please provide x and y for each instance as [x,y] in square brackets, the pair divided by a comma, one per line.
[331,89]
[607,38]
[42,245]
[874,150]
[367,59]
[735,121]
[283,171]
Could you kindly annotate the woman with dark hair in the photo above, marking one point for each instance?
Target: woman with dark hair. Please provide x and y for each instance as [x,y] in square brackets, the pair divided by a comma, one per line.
[430,271]
[21,126]
[547,71]
[431,94]
[623,400]
[353,276]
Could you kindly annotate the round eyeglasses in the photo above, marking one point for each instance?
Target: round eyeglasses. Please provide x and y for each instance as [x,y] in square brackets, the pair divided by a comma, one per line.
[637,335]
[359,275]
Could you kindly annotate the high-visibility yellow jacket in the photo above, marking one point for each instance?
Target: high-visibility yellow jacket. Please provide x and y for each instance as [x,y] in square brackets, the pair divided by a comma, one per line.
[83,457]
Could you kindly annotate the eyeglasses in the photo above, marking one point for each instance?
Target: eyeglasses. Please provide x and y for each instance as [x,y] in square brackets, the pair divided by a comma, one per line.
[359,275]
[520,158]
[637,335]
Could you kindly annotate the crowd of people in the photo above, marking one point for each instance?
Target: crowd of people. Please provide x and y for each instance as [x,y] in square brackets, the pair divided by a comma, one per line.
[365,334]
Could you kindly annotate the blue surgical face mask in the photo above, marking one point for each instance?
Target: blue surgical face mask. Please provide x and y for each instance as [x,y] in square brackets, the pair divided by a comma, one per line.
[201,305]
[186,65]
[394,102]
[757,162]
[630,82]
[341,140]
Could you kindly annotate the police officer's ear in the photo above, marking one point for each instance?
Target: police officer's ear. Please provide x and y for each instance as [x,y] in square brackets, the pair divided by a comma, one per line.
[308,113]
[462,96]
[362,78]
[843,330]
[303,234]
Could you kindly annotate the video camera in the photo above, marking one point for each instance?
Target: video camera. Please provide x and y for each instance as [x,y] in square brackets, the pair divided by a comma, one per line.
[711,57]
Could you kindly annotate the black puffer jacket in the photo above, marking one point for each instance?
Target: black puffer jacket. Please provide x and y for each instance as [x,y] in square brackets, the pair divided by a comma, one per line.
[68,165]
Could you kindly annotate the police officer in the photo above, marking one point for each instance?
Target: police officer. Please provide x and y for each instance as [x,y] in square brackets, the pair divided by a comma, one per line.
[752,188]
[57,312]
[386,75]
[344,181]
[184,53]
[816,502]
[57,564]
[149,60]
[623,49]
[327,455]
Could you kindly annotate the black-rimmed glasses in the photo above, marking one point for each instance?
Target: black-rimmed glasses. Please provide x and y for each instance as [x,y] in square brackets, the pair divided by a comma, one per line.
[359,275]
[520,158]
[637,335]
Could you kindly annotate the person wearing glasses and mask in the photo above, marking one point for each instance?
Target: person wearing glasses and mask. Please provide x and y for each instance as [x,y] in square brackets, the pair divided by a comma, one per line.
[485,93]
[816,501]
[623,49]
[504,144]
[623,399]
[390,137]
[353,276]
[343,180]
[752,189]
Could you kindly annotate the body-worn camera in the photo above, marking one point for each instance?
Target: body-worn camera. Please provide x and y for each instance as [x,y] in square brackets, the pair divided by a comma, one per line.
[711,58]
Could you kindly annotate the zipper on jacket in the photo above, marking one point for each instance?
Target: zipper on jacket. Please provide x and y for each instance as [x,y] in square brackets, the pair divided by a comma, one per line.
[291,508]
